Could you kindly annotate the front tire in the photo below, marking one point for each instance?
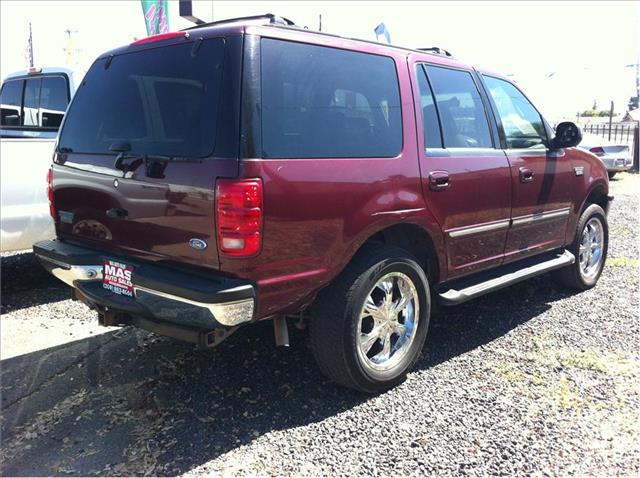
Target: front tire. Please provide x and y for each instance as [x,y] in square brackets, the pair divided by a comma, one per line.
[611,174]
[369,326]
[589,248]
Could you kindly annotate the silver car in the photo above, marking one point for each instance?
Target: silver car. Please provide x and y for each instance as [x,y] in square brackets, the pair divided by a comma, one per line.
[615,156]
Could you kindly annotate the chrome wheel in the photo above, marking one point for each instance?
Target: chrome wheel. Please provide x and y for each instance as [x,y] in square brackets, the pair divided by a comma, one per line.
[388,322]
[591,248]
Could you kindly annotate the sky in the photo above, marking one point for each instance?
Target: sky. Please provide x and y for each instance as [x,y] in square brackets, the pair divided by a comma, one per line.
[565,55]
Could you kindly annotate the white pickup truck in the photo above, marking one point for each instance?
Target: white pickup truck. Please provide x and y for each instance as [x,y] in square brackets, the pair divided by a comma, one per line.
[32,105]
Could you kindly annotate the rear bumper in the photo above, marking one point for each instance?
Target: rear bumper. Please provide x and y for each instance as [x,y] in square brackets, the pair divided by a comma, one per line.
[161,293]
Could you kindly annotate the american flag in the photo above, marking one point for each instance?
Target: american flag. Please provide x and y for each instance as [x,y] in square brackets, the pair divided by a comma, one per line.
[28,51]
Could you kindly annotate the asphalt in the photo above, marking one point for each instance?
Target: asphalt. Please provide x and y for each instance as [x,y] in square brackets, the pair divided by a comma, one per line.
[530,380]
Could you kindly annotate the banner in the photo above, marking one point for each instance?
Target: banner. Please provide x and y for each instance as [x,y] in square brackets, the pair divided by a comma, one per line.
[156,16]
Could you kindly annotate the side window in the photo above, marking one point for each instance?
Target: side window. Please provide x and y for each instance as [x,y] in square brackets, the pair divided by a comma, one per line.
[53,101]
[11,103]
[462,114]
[320,102]
[31,102]
[522,124]
[430,125]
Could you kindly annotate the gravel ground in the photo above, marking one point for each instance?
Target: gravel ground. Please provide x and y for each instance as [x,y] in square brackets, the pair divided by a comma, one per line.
[528,381]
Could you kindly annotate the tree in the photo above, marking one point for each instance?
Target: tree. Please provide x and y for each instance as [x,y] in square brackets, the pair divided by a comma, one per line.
[595,105]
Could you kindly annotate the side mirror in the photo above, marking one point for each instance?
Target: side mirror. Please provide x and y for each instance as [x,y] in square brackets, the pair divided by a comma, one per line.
[568,134]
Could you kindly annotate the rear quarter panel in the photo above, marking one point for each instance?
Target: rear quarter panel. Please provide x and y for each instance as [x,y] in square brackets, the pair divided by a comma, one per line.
[318,212]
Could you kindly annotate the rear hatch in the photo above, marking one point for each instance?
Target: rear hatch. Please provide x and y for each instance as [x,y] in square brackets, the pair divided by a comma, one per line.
[149,131]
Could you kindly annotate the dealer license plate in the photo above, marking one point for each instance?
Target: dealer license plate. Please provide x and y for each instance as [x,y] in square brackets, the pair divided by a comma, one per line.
[117,277]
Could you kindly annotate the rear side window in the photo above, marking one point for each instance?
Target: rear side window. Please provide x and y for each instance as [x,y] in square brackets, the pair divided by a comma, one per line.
[320,102]
[11,103]
[521,122]
[462,114]
[161,101]
[42,105]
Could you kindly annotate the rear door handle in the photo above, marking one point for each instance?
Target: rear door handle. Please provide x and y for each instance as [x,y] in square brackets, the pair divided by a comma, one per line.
[439,180]
[526,175]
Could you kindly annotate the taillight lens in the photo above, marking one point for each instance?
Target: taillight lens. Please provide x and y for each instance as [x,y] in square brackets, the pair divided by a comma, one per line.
[52,208]
[598,151]
[239,215]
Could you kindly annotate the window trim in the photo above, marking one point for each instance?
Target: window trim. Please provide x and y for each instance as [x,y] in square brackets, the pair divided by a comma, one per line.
[498,119]
[24,79]
[258,94]
[492,127]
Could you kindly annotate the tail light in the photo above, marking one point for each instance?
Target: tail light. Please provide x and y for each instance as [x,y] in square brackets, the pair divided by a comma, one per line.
[52,208]
[598,151]
[239,215]
[160,37]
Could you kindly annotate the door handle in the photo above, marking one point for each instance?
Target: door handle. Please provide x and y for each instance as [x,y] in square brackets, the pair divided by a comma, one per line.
[526,175]
[439,180]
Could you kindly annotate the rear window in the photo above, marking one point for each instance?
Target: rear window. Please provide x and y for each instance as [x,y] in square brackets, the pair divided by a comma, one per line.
[320,102]
[42,106]
[11,103]
[160,101]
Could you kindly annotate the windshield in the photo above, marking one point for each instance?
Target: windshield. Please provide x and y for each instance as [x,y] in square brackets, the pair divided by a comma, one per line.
[160,101]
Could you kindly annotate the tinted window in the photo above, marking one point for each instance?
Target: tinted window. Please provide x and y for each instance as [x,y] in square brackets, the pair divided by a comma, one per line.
[160,101]
[462,115]
[522,124]
[430,125]
[11,102]
[31,102]
[53,101]
[323,102]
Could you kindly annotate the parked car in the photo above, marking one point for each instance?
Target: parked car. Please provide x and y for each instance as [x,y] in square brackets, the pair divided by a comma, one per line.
[251,170]
[615,156]
[32,105]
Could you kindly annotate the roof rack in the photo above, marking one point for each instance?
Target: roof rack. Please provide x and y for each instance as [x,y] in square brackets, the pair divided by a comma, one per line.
[437,50]
[273,19]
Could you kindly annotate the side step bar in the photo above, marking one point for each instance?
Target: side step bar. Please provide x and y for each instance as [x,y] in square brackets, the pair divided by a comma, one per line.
[502,278]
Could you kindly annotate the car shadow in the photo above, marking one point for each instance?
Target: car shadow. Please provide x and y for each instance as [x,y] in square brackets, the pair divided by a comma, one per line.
[129,402]
[25,283]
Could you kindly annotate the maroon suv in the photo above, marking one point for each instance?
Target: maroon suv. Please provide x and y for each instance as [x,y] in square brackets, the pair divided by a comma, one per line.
[250,169]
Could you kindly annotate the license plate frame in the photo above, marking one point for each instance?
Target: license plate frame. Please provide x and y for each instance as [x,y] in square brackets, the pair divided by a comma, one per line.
[117,278]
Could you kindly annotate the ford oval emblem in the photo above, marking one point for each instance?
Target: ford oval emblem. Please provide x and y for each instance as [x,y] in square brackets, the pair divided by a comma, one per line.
[198,244]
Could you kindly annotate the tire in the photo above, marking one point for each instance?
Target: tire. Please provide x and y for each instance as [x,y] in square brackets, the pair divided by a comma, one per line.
[611,174]
[580,275]
[340,324]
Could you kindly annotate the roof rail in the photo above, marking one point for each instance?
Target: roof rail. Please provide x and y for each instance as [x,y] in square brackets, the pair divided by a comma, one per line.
[275,19]
[437,50]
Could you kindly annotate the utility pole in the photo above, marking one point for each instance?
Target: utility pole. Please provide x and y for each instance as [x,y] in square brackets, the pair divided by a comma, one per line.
[610,119]
[320,23]
[70,49]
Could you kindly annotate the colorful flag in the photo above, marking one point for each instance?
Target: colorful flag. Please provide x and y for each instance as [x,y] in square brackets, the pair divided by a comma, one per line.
[156,16]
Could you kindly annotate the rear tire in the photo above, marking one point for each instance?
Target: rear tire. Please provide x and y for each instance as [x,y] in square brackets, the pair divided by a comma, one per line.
[369,326]
[590,249]
[611,174]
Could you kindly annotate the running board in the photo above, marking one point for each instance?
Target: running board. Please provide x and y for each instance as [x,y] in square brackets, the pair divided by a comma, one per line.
[508,275]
